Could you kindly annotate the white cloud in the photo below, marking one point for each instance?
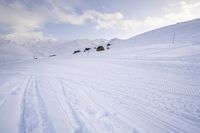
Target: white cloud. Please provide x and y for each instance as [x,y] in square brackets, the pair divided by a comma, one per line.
[173,15]
[24,36]
[102,20]
[179,11]
[25,23]
[21,22]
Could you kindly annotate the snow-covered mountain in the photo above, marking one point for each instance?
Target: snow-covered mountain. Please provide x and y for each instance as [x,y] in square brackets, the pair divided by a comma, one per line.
[180,33]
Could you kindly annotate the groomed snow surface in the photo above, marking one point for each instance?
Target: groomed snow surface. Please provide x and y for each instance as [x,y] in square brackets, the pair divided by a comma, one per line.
[156,91]
[131,88]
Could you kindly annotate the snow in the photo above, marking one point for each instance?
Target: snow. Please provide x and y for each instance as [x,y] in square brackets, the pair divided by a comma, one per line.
[180,33]
[10,52]
[133,87]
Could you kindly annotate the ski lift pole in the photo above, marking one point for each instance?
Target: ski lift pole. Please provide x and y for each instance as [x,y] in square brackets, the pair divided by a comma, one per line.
[173,38]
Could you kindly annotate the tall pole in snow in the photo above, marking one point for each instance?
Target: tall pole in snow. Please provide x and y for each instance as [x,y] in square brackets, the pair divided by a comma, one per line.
[173,37]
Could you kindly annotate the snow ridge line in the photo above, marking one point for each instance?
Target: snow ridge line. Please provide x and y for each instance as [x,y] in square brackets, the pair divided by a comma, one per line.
[33,115]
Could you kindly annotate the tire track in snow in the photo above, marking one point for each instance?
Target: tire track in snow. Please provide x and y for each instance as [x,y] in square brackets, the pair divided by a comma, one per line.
[75,119]
[70,98]
[106,112]
[34,114]
[53,103]
[102,117]
[100,113]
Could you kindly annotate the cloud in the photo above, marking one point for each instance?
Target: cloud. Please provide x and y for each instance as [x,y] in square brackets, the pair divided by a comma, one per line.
[113,20]
[179,11]
[27,36]
[21,22]
[25,23]
[15,16]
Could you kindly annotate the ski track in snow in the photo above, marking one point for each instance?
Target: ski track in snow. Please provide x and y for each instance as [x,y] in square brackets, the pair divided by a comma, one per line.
[107,95]
[34,116]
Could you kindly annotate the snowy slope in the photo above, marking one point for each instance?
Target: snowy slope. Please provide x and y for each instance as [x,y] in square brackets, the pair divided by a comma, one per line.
[181,41]
[9,51]
[147,87]
[182,33]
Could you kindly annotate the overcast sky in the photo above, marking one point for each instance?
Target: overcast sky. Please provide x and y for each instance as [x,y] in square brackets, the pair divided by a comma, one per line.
[77,19]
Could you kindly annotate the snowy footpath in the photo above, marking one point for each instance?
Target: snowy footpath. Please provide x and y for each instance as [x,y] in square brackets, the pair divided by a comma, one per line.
[101,95]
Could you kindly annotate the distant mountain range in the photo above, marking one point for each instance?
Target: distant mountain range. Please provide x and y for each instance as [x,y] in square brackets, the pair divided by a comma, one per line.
[180,33]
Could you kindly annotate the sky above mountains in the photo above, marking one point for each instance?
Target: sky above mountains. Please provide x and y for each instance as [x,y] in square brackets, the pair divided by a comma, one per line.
[24,20]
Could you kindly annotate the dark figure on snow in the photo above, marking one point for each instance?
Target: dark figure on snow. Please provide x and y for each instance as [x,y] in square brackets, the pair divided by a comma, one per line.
[108,44]
[87,49]
[76,51]
[100,48]
[52,55]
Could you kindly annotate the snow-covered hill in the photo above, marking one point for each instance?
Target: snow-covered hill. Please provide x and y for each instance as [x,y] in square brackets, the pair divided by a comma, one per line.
[181,40]
[180,33]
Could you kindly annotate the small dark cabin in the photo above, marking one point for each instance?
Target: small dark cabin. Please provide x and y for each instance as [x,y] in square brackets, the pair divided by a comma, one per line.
[100,48]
